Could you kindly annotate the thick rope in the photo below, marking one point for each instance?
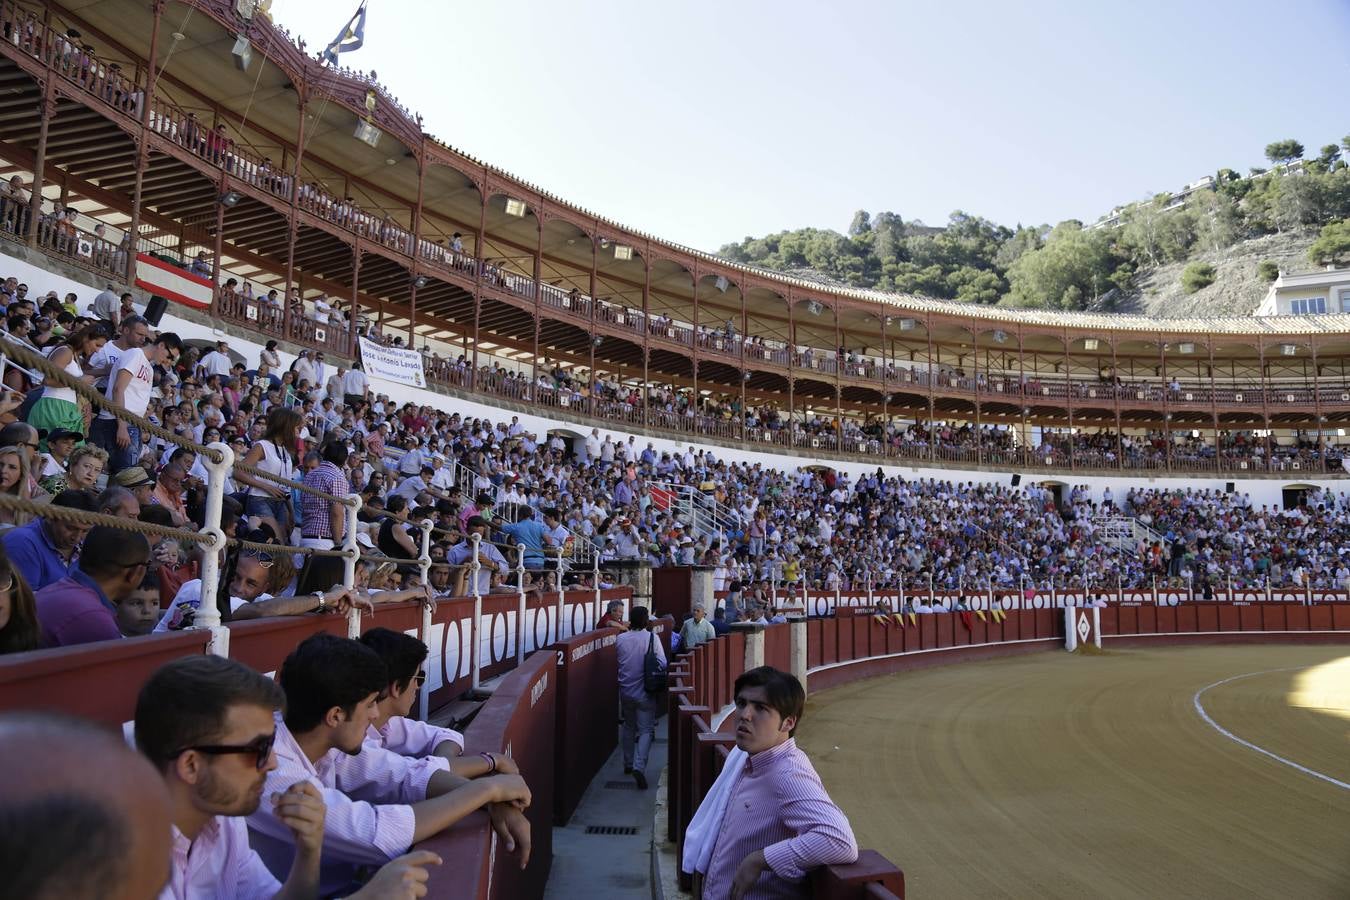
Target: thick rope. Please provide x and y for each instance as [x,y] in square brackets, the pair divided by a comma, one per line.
[279,549]
[79,516]
[51,373]
[303,488]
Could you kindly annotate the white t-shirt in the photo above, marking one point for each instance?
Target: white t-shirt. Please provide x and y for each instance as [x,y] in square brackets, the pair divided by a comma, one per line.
[108,355]
[136,399]
[216,363]
[354,382]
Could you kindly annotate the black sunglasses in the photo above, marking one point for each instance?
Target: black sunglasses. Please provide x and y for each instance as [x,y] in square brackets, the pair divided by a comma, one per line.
[420,678]
[260,747]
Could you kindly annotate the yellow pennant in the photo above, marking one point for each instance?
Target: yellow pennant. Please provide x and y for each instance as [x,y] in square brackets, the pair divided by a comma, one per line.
[901,619]
[883,620]
[913,620]
[980,613]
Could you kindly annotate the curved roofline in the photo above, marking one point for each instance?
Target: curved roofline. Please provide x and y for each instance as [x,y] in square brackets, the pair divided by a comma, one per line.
[913,303]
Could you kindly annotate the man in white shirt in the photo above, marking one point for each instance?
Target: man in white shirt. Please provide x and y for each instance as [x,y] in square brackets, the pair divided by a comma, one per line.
[354,386]
[206,723]
[303,367]
[593,445]
[129,387]
[217,362]
[332,688]
[134,332]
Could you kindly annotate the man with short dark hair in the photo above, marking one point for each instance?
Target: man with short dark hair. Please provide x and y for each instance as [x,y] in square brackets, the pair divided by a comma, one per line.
[771,821]
[81,813]
[332,690]
[206,723]
[82,607]
[129,386]
[44,550]
[639,706]
[323,523]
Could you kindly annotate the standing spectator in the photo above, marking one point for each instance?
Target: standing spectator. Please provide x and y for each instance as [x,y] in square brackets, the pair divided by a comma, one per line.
[58,407]
[217,362]
[778,823]
[106,304]
[132,332]
[719,622]
[268,356]
[19,629]
[274,453]
[639,707]
[323,522]
[129,386]
[696,630]
[354,387]
[81,607]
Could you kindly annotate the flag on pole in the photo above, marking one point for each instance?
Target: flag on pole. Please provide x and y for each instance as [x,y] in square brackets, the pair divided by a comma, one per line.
[352,36]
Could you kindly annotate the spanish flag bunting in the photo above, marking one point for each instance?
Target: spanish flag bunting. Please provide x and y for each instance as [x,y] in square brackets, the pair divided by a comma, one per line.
[965,619]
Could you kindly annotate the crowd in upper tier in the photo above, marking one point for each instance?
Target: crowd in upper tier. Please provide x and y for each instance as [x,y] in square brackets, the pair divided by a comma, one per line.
[765,531]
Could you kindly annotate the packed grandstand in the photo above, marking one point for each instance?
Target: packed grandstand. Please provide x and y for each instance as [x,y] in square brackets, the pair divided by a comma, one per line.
[162,487]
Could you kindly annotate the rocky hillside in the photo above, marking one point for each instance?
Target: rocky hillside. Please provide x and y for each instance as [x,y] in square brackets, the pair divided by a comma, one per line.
[1237,290]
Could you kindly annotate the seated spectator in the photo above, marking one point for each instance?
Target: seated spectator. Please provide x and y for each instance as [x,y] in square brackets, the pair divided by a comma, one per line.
[19,628]
[138,481]
[138,612]
[168,493]
[332,688]
[44,550]
[81,607]
[82,471]
[60,445]
[14,482]
[84,814]
[207,724]
[613,617]
[719,622]
[490,559]
[120,502]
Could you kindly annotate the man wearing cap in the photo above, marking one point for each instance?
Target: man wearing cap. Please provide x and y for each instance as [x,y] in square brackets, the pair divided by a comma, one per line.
[441,477]
[138,481]
[413,459]
[60,444]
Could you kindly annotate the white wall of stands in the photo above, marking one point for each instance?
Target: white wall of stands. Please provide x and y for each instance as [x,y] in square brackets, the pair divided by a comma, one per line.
[1263,491]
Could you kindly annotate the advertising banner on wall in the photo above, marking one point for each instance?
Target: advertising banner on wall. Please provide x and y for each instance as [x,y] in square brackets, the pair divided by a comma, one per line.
[392,364]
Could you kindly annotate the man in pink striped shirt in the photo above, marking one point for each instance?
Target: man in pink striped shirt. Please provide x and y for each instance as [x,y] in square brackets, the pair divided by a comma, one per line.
[779,822]
[378,803]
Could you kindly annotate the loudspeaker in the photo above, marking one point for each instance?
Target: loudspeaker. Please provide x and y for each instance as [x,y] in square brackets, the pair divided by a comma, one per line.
[1230,487]
[154,310]
[1017,479]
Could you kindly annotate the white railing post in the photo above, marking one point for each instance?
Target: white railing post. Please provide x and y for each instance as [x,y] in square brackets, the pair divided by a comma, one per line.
[562,605]
[476,645]
[520,605]
[208,613]
[424,552]
[870,602]
[352,502]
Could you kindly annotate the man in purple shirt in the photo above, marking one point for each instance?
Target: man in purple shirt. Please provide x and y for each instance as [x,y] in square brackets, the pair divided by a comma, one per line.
[82,607]
[639,707]
[779,823]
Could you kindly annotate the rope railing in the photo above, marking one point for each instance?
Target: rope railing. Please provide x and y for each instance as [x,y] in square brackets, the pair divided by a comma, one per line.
[286,548]
[82,517]
[34,360]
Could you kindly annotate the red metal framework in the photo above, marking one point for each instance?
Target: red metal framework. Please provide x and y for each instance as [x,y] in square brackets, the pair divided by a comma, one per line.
[544,283]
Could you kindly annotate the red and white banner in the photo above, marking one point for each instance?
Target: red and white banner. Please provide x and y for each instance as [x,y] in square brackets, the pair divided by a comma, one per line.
[172,283]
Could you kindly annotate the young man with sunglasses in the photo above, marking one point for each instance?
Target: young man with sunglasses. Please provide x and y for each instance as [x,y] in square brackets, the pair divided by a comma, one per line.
[129,386]
[207,724]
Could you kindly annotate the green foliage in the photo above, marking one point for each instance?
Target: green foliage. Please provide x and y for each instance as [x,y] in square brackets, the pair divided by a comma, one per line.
[1196,276]
[977,261]
[1284,151]
[1267,270]
[1333,245]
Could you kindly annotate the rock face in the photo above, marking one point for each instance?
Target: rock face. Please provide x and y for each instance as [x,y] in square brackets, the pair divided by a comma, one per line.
[1237,290]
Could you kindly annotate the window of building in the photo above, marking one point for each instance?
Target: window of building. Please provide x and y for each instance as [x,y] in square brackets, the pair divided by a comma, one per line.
[1345,301]
[1310,306]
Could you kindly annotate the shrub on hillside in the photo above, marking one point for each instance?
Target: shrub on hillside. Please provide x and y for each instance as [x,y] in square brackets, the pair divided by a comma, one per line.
[1196,276]
[1268,270]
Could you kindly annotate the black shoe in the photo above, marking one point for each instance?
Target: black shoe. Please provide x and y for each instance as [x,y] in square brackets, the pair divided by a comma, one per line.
[641,780]
[628,770]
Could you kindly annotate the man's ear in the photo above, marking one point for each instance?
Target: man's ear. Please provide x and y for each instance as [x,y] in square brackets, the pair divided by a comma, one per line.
[788,723]
[334,717]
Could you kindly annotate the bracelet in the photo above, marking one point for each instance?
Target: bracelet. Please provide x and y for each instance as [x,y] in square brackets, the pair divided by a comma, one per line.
[323,601]
[492,762]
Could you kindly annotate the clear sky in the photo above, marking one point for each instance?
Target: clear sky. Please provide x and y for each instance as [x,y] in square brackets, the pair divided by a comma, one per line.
[703,122]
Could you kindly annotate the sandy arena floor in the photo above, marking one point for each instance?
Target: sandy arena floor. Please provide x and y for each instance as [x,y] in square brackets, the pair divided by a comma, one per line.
[1054,775]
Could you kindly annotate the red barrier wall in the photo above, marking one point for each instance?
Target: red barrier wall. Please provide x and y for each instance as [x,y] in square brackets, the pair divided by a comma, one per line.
[588,706]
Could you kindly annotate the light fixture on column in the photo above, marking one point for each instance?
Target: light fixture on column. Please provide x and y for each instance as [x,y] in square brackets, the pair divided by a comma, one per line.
[1186,347]
[908,324]
[814,307]
[623,251]
[745,376]
[515,207]
[722,283]
[230,198]
[597,341]
[420,282]
[1091,343]
[1000,337]
[1289,349]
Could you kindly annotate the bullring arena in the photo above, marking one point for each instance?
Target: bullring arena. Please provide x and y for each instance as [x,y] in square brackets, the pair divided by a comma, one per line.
[534,415]
[1064,775]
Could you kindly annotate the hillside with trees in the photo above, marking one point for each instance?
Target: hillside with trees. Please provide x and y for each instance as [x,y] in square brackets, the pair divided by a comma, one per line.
[1211,247]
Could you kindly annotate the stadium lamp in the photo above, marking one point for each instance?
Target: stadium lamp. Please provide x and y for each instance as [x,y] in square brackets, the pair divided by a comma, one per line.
[1000,337]
[814,307]
[420,281]
[1091,343]
[597,341]
[1186,347]
[1289,349]
[722,283]
[623,251]
[230,198]
[745,376]
[908,324]
[515,207]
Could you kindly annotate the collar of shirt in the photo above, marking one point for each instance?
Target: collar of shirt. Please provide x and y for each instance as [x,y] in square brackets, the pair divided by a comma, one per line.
[758,763]
[77,575]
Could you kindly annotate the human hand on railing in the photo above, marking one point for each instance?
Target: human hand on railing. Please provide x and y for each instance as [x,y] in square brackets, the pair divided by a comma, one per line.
[512,828]
[404,878]
[510,789]
[344,600]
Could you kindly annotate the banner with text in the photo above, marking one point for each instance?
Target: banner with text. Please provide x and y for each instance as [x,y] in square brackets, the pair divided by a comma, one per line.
[392,364]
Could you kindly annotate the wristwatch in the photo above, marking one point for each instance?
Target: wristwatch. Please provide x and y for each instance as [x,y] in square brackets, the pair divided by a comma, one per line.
[323,601]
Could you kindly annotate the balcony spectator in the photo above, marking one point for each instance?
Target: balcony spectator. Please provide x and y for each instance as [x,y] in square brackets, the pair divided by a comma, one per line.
[81,607]
[201,265]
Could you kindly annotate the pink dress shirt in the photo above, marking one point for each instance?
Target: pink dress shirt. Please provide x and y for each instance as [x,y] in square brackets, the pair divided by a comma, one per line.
[409,737]
[218,864]
[632,651]
[369,820]
[779,806]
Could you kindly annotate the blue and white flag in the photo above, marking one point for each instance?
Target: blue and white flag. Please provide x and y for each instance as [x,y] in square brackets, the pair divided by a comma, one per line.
[351,37]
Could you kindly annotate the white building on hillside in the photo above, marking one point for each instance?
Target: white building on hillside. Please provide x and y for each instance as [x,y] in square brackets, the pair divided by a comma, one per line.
[1311,294]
